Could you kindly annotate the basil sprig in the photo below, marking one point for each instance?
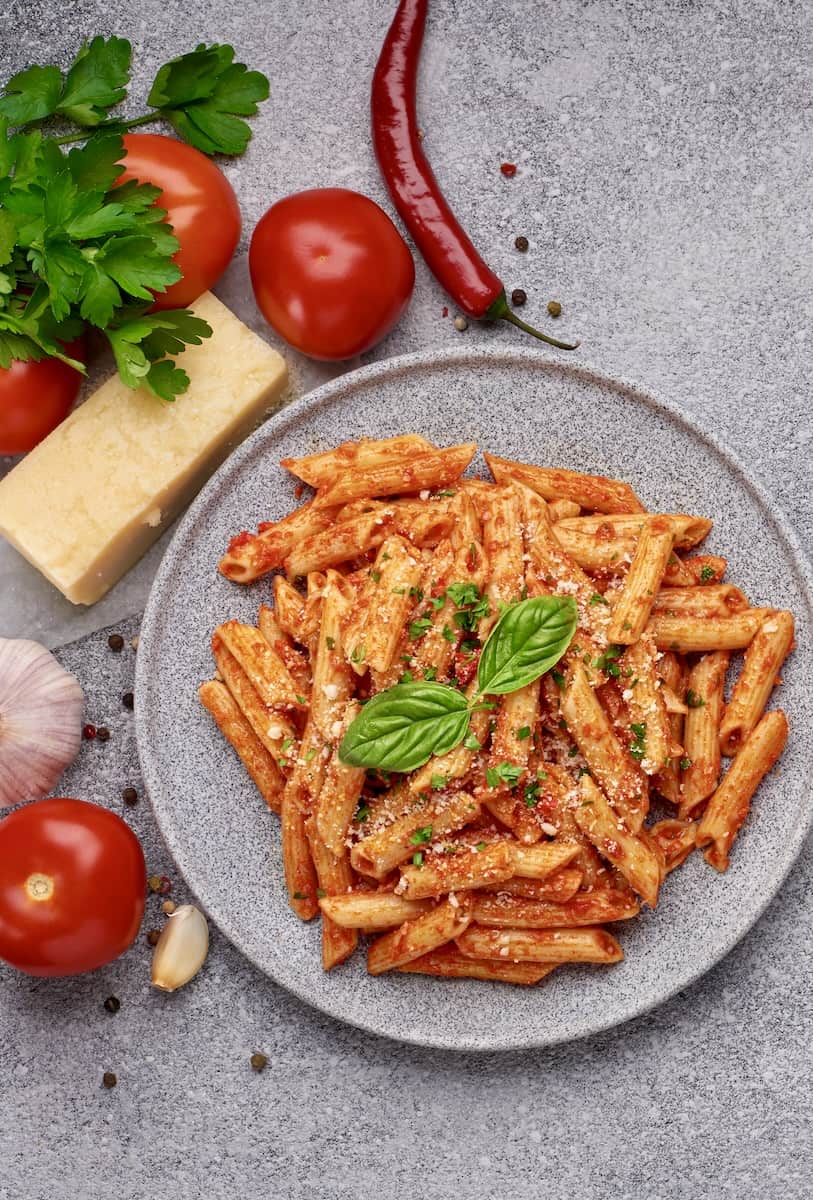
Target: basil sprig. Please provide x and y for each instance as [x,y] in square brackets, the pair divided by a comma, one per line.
[403,727]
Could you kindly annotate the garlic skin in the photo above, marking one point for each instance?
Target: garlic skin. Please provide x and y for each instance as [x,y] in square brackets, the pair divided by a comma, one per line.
[40,720]
[181,950]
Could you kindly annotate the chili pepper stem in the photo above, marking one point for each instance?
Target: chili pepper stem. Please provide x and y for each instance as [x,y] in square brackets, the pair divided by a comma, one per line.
[499,311]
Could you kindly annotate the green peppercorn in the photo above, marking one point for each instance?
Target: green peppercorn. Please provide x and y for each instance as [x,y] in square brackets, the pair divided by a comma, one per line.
[259,1061]
[554,308]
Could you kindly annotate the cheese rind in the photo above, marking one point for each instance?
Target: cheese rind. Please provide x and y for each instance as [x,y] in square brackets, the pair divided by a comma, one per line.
[91,498]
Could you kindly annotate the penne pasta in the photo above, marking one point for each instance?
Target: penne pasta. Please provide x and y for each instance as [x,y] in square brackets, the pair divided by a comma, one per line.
[592,908]
[559,887]
[633,605]
[372,910]
[763,661]
[334,877]
[250,556]
[700,569]
[412,472]
[283,646]
[676,840]
[379,853]
[700,768]
[542,861]
[441,873]
[319,470]
[502,543]
[217,700]
[588,491]
[340,793]
[416,937]
[651,740]
[447,961]
[696,635]
[728,807]
[587,944]
[688,529]
[674,677]
[632,856]
[267,673]
[271,727]
[297,863]
[716,600]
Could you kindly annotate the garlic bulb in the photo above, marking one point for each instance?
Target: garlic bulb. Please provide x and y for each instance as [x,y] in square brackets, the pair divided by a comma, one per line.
[40,720]
[181,949]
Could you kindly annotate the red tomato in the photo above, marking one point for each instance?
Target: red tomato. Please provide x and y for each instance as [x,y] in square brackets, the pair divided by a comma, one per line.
[330,272]
[201,205]
[72,887]
[34,398]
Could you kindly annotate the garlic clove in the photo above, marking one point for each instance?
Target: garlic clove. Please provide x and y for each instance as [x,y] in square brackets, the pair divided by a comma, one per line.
[40,720]
[181,949]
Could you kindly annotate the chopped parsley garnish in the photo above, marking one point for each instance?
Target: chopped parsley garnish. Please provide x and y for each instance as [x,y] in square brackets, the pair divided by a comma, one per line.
[359,653]
[530,793]
[286,745]
[607,661]
[438,782]
[638,744]
[448,633]
[684,764]
[504,772]
[417,859]
[597,598]
[416,593]
[471,743]
[407,677]
[362,813]
[311,755]
[299,896]
[693,700]
[375,576]
[418,628]
[300,699]
[707,574]
[480,846]
[421,836]
[559,679]
[583,771]
[523,733]
[330,643]
[573,751]
[321,893]
[430,674]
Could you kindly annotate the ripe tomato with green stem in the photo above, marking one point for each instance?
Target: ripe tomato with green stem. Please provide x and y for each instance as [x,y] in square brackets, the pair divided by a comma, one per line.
[201,208]
[330,272]
[72,887]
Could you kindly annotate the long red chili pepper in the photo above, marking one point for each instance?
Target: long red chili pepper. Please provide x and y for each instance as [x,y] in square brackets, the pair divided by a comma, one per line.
[442,241]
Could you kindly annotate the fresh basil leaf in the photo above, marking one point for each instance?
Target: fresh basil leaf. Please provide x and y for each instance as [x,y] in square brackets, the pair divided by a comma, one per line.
[529,638]
[401,728]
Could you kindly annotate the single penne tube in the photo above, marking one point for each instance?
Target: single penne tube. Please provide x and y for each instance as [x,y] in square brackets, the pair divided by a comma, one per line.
[728,807]
[297,863]
[700,771]
[582,944]
[319,470]
[676,840]
[371,910]
[382,851]
[218,700]
[340,792]
[510,811]
[289,610]
[335,877]
[282,644]
[434,928]
[432,648]
[556,483]
[674,676]
[763,661]
[411,472]
[632,856]
[559,887]
[631,609]
[622,779]
[338,543]
[448,962]
[467,527]
[441,873]
[393,579]
[252,555]
[332,677]
[696,635]
[517,714]
[714,600]
[589,908]
[688,529]
[271,726]
[268,674]
[543,860]
[501,517]
[702,569]
[648,719]
[559,509]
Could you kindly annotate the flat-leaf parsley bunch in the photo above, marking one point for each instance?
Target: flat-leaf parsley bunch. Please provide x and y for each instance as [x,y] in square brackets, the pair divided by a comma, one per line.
[404,726]
[76,250]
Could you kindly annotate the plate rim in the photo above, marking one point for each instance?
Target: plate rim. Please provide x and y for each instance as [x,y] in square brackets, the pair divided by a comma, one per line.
[445,357]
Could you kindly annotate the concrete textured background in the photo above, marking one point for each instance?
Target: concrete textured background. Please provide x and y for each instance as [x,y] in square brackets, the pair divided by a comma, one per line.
[665,160]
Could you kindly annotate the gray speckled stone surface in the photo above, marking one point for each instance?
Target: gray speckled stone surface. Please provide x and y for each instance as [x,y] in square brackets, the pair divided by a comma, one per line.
[665,158]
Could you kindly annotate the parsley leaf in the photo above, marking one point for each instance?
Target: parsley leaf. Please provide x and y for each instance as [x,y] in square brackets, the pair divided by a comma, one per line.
[438,782]
[504,772]
[471,743]
[638,744]
[31,95]
[96,81]
[597,598]
[693,700]
[421,836]
[141,343]
[205,93]
[418,628]
[707,574]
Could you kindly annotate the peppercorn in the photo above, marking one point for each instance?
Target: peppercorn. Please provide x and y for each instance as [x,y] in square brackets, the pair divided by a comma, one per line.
[461,324]
[168,907]
[89,732]
[154,883]
[130,796]
[128,700]
[103,733]
[112,1004]
[554,308]
[521,243]
[109,1079]
[259,1061]
[518,297]
[509,170]
[115,641]
[153,935]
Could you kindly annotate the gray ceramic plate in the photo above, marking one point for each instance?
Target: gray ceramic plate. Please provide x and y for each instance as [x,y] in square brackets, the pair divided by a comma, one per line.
[519,404]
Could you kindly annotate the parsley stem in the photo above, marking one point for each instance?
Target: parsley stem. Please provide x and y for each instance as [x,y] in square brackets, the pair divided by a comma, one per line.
[109,127]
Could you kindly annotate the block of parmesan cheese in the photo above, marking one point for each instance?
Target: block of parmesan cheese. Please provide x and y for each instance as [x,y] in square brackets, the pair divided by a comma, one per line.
[91,498]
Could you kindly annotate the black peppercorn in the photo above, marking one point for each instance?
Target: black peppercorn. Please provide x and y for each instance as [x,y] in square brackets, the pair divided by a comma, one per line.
[521,243]
[518,297]
[103,733]
[258,1061]
[115,641]
[130,795]
[128,700]
[112,1004]
[109,1079]
[152,936]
